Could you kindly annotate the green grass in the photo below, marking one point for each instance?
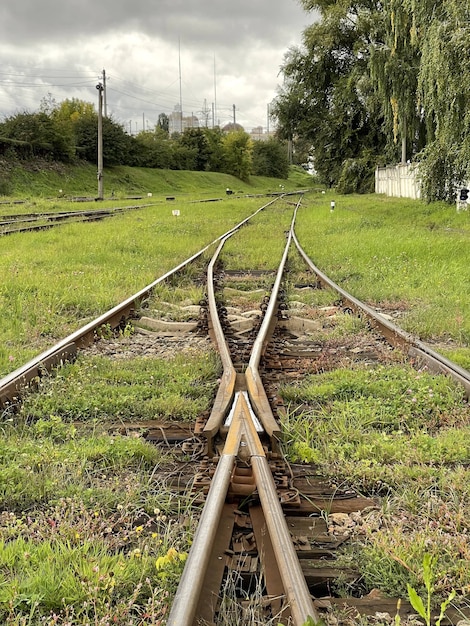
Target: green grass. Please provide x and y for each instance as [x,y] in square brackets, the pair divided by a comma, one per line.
[88,531]
[263,240]
[92,503]
[397,254]
[142,388]
[55,281]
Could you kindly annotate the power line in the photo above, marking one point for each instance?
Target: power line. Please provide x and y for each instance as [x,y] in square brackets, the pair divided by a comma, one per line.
[19,77]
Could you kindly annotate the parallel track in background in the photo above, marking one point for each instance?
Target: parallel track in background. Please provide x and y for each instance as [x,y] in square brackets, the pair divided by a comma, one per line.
[31,222]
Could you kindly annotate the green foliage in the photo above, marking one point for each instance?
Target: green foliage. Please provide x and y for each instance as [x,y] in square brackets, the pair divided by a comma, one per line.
[374,75]
[238,151]
[443,79]
[37,134]
[356,176]
[327,97]
[417,602]
[54,428]
[270,159]
[69,130]
[195,140]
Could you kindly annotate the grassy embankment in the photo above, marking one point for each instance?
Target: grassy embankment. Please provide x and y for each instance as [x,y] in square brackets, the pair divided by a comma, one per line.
[65,181]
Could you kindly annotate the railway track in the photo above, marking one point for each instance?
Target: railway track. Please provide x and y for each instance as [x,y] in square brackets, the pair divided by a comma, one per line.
[30,222]
[262,526]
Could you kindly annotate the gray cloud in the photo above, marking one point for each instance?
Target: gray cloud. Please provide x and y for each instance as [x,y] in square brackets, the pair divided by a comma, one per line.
[60,47]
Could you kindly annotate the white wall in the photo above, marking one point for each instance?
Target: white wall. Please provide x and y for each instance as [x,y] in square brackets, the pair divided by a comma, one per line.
[399,181]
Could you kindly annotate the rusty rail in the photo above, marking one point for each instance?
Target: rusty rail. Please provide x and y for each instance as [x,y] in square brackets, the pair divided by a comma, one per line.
[242,442]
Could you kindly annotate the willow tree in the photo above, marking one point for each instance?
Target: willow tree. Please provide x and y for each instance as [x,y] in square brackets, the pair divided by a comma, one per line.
[394,66]
[444,90]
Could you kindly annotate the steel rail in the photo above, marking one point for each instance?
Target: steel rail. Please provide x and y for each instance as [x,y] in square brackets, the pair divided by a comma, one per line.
[12,384]
[191,582]
[226,390]
[395,335]
[51,220]
[243,430]
[225,393]
[255,387]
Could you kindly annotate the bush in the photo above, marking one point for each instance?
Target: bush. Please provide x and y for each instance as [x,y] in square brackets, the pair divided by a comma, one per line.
[356,176]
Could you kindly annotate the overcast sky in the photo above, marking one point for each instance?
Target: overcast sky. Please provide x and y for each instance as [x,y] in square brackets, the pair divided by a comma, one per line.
[230,53]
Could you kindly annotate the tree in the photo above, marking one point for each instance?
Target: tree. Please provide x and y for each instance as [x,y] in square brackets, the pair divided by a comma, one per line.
[196,140]
[238,150]
[270,158]
[327,97]
[444,92]
[155,149]
[40,135]
[163,122]
[215,140]
[117,144]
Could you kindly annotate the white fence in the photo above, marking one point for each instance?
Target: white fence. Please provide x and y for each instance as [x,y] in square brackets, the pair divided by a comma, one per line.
[400,181]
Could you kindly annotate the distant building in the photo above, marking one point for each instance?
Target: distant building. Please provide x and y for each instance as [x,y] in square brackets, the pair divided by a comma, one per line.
[232,127]
[178,123]
[258,134]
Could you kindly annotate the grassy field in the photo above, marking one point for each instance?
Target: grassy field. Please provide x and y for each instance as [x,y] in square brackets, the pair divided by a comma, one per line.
[404,257]
[88,533]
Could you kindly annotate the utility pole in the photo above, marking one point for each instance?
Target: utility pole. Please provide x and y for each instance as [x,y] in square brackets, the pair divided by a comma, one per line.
[205,112]
[234,119]
[100,88]
[181,92]
[267,120]
[104,94]
[214,105]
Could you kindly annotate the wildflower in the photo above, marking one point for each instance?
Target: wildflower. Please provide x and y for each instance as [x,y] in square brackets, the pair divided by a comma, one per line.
[171,554]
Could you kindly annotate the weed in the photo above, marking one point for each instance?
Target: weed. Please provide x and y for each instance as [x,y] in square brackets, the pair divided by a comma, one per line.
[423,608]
